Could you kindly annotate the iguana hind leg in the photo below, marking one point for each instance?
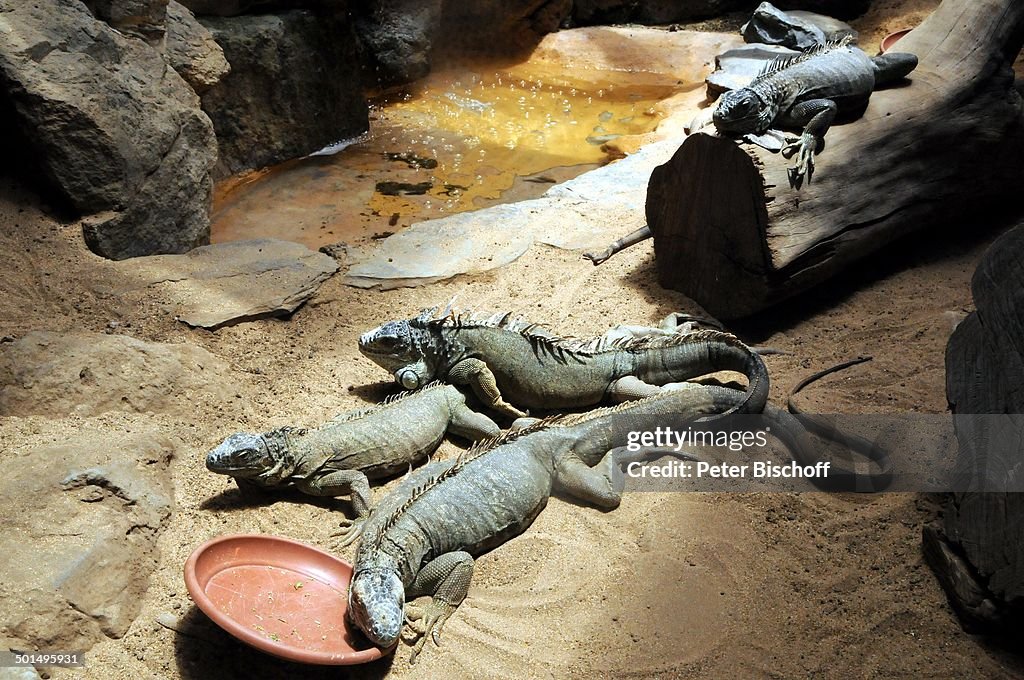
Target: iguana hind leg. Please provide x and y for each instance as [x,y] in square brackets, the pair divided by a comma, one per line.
[600,485]
[472,425]
[474,372]
[446,579]
[816,116]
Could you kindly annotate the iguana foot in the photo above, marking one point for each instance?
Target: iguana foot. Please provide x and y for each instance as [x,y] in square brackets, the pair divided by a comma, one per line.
[598,258]
[427,621]
[804,149]
[349,531]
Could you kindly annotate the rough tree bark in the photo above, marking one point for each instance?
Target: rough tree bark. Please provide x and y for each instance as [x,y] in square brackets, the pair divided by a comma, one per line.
[731,233]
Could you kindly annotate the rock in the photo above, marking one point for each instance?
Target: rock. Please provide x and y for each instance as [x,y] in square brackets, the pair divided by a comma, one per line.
[229,283]
[587,12]
[191,50]
[797,30]
[398,36]
[499,25]
[115,133]
[142,18]
[86,374]
[79,538]
[735,68]
[232,8]
[294,87]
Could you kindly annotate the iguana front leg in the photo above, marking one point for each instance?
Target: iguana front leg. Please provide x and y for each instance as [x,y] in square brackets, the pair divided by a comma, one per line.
[340,483]
[474,372]
[446,579]
[630,239]
[816,115]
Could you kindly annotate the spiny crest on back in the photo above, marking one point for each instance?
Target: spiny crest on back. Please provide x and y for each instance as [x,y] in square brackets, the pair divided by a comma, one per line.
[784,62]
[461,461]
[562,346]
[388,401]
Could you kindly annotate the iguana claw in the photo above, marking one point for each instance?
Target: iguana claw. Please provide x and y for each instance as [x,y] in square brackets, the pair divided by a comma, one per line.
[804,148]
[427,620]
[598,258]
[349,531]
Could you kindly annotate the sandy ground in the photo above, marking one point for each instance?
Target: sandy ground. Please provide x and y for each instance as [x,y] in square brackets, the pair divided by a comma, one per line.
[668,585]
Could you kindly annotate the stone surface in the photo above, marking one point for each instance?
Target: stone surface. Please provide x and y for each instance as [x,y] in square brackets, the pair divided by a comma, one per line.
[588,12]
[842,9]
[191,50]
[398,36]
[110,128]
[78,541]
[499,25]
[293,87]
[231,8]
[142,18]
[228,283]
[735,68]
[796,30]
[86,374]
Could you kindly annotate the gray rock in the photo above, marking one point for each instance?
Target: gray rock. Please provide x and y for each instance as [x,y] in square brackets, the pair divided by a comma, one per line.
[86,374]
[233,8]
[79,538]
[294,87]
[229,283]
[498,25]
[398,36]
[142,18]
[191,50]
[737,67]
[797,30]
[111,128]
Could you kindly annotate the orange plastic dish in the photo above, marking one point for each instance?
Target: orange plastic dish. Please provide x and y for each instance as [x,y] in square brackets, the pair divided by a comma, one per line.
[891,39]
[282,597]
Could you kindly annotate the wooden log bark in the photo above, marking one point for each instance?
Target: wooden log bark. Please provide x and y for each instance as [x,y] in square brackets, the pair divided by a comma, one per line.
[978,552]
[730,232]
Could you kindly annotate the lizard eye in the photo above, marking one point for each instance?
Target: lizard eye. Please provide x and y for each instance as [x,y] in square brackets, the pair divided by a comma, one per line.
[408,379]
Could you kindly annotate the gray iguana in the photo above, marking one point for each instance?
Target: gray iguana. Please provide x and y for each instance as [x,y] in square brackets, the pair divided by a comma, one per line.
[340,456]
[512,363]
[422,536]
[804,91]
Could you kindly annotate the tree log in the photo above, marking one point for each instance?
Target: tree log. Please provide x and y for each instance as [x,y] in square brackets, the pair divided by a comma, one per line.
[729,231]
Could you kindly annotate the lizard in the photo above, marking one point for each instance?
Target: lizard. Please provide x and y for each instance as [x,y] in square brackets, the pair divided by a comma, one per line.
[341,456]
[422,537]
[510,362]
[805,91]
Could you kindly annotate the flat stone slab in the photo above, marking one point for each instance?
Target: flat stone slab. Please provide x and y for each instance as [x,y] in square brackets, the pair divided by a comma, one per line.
[586,212]
[735,68]
[228,283]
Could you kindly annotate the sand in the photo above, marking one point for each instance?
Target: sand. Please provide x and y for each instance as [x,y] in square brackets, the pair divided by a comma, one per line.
[668,585]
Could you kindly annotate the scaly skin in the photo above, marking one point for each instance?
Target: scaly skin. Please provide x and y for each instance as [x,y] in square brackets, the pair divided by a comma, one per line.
[511,364]
[422,537]
[341,456]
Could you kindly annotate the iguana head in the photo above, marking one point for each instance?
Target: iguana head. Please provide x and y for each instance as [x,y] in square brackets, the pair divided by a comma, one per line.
[259,457]
[413,350]
[742,111]
[376,604]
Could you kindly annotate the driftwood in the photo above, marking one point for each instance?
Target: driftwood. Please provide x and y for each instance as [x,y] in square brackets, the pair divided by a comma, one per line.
[978,552]
[729,231]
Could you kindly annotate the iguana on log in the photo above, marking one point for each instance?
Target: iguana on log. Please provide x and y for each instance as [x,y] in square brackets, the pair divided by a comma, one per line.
[804,91]
[342,455]
[511,363]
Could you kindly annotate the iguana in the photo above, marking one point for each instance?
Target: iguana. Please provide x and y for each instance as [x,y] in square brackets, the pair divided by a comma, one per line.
[804,91]
[512,363]
[423,535]
[340,456]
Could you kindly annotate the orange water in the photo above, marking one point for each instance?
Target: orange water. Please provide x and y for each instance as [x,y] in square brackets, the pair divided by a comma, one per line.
[475,138]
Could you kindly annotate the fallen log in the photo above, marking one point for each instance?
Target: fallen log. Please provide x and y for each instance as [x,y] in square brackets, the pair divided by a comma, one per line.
[730,233]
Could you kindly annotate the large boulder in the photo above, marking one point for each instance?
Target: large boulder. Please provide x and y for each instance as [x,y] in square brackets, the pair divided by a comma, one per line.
[797,29]
[499,25]
[111,129]
[294,87]
[191,50]
[397,37]
[79,537]
[233,8]
[142,18]
[667,11]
